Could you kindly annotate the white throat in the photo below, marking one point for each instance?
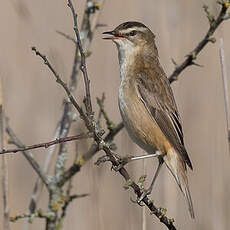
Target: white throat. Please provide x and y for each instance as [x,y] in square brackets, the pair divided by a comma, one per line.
[126,54]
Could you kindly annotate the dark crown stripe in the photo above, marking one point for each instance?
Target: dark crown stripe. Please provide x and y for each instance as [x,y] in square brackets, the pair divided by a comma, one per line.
[128,25]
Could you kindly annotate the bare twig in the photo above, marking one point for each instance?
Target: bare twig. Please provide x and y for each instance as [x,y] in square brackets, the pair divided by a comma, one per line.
[89,24]
[214,23]
[83,63]
[225,87]
[47,144]
[68,200]
[100,103]
[100,113]
[88,27]
[109,138]
[63,84]
[4,171]
[86,117]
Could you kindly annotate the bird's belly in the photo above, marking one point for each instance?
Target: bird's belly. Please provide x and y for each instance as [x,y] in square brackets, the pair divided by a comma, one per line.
[140,125]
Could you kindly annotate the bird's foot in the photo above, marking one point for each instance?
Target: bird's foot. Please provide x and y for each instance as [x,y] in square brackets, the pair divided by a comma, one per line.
[122,161]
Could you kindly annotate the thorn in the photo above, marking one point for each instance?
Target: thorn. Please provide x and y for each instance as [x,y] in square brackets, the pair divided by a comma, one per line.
[174,62]
[196,64]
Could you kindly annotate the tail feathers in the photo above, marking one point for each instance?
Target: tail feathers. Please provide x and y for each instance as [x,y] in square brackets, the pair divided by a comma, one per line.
[182,181]
[178,168]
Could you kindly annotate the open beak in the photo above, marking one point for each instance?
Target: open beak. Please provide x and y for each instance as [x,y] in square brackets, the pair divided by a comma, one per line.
[113,36]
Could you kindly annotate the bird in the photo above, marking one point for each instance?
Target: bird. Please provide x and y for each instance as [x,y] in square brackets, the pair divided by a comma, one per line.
[147,105]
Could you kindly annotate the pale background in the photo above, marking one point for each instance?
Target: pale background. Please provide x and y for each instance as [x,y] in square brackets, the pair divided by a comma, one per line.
[33,102]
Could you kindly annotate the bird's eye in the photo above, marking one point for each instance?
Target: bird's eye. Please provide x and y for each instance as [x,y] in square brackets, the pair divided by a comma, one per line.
[133,33]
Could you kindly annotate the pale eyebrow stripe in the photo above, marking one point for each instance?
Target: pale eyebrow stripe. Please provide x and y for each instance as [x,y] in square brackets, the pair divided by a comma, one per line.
[128,30]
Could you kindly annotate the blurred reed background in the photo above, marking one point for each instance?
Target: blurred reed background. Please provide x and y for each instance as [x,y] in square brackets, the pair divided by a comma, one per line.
[33,101]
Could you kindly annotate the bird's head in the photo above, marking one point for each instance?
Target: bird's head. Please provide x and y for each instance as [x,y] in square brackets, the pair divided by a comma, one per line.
[131,36]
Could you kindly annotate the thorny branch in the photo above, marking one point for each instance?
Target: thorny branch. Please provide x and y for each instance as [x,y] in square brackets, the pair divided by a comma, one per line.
[213,25]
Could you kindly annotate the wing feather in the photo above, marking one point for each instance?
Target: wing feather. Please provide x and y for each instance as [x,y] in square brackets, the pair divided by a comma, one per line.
[160,102]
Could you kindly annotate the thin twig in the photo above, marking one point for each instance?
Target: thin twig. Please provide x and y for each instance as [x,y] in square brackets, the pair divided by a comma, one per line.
[83,63]
[100,113]
[63,84]
[4,171]
[68,116]
[47,144]
[214,23]
[87,31]
[68,200]
[100,102]
[109,138]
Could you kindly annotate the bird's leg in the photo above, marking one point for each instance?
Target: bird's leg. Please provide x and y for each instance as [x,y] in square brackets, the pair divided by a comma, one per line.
[149,190]
[144,156]
[125,160]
